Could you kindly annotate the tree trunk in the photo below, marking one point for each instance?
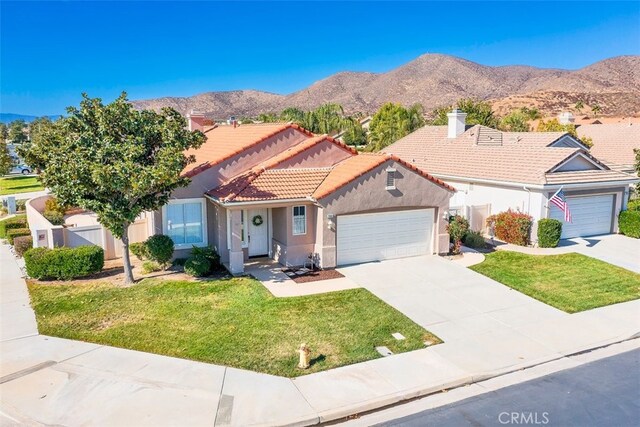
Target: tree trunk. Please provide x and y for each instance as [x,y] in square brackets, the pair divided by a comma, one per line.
[128,272]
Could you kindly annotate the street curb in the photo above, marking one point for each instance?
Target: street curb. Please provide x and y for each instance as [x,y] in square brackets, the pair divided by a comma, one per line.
[383,402]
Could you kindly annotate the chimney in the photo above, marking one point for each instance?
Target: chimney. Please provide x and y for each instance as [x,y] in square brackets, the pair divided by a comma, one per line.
[196,120]
[566,118]
[457,123]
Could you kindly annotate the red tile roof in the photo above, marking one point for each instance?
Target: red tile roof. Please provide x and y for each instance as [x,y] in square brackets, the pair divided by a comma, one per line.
[225,142]
[272,184]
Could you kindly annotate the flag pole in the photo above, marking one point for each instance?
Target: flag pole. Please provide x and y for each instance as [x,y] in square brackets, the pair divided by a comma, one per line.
[554,195]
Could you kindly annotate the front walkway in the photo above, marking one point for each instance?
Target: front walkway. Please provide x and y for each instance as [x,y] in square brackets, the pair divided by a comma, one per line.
[55,381]
[270,274]
[615,249]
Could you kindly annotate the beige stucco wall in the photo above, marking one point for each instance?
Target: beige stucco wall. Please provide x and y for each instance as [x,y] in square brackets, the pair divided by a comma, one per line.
[368,194]
[287,248]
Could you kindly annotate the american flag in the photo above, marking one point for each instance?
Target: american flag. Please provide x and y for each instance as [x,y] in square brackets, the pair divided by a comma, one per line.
[560,201]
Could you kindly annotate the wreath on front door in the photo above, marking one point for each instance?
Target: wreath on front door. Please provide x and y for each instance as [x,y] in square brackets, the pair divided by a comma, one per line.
[257,220]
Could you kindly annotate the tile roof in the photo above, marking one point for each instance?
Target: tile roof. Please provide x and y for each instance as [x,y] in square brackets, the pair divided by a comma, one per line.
[356,166]
[302,147]
[224,142]
[614,142]
[521,157]
[312,183]
[586,176]
[272,184]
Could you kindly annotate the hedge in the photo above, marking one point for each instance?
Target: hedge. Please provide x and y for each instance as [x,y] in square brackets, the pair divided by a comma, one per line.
[633,205]
[549,232]
[21,244]
[63,263]
[197,266]
[18,221]
[474,239]
[12,233]
[629,223]
[159,248]
[511,227]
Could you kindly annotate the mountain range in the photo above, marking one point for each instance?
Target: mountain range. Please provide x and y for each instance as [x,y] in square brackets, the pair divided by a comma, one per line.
[7,118]
[436,80]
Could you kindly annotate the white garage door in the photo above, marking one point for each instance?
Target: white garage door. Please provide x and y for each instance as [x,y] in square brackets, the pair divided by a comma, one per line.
[591,216]
[386,235]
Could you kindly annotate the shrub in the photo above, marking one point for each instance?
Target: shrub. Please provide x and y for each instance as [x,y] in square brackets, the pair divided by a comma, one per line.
[457,228]
[21,205]
[139,249]
[17,232]
[159,248]
[633,205]
[180,261]
[511,227]
[549,232]
[197,266]
[474,239]
[629,223]
[209,253]
[54,217]
[52,205]
[19,221]
[150,267]
[21,244]
[63,263]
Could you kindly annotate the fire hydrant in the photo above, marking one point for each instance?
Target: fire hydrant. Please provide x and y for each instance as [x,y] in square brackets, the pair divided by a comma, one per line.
[304,356]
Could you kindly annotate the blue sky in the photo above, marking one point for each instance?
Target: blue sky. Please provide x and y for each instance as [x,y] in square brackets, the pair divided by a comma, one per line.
[51,52]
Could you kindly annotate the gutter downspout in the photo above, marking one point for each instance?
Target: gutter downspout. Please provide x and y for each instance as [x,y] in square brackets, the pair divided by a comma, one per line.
[529,199]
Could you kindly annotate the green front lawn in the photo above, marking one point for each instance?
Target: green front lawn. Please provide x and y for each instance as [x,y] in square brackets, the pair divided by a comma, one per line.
[19,184]
[234,322]
[570,282]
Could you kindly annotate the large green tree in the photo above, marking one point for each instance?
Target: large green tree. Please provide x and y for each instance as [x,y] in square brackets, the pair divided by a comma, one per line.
[32,151]
[18,132]
[354,134]
[6,161]
[116,161]
[478,113]
[392,122]
[515,121]
[4,132]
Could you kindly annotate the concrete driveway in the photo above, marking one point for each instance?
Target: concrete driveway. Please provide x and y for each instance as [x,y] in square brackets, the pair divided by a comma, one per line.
[615,249]
[449,300]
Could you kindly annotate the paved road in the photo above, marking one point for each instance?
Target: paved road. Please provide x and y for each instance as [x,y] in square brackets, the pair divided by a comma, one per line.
[601,393]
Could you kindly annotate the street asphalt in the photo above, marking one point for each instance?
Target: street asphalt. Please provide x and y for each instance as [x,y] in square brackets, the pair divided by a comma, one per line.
[601,393]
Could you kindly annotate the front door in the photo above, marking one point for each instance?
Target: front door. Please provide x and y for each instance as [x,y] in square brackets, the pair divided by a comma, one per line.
[258,235]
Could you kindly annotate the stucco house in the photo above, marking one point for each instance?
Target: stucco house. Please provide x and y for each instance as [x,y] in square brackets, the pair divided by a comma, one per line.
[613,143]
[494,171]
[278,190]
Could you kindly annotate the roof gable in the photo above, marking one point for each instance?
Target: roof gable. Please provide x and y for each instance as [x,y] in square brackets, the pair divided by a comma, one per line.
[226,142]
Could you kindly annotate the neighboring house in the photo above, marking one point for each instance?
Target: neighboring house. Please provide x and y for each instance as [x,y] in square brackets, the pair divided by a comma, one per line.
[278,190]
[494,171]
[613,143]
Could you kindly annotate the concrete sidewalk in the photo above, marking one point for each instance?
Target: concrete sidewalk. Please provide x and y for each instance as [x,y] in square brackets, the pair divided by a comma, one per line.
[46,380]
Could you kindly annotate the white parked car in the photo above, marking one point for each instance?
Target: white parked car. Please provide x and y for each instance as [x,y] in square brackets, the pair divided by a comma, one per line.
[21,168]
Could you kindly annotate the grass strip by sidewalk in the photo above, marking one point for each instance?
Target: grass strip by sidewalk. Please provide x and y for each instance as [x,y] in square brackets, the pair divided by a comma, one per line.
[234,322]
[571,282]
[19,184]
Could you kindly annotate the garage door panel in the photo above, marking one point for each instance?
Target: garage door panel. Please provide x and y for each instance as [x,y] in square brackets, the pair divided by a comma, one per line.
[385,235]
[591,215]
